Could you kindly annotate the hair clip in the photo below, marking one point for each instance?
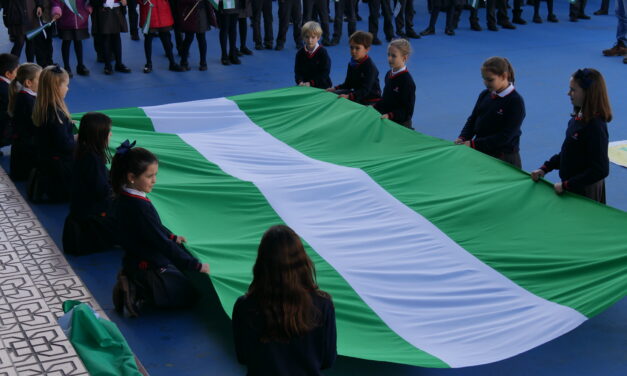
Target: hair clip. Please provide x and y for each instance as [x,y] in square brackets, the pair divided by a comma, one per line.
[125,147]
[584,77]
[56,69]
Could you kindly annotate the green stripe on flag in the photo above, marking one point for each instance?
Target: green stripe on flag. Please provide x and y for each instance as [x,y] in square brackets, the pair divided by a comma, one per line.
[567,249]
[193,196]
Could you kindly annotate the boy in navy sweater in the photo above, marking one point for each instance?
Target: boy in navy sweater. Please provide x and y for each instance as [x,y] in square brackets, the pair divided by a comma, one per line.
[313,65]
[362,76]
[8,70]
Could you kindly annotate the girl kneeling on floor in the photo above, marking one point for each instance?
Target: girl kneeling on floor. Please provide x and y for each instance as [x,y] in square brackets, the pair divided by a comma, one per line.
[153,255]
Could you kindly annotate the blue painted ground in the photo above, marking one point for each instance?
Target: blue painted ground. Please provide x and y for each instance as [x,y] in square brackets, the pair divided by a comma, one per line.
[446,71]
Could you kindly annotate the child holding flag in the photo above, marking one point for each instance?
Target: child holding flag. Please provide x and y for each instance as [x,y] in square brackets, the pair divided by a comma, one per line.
[192,19]
[72,20]
[362,76]
[493,127]
[313,64]
[22,95]
[583,161]
[153,255]
[108,23]
[156,19]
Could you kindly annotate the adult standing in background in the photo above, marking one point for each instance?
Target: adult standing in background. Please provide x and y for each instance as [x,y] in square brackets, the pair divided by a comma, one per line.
[620,48]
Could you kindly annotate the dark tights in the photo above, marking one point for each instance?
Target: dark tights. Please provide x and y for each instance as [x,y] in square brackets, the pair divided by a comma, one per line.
[18,45]
[78,50]
[202,47]
[228,29]
[165,41]
[450,16]
[243,32]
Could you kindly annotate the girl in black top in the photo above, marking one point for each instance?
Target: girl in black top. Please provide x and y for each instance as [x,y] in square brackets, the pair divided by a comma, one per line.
[284,325]
[22,94]
[399,94]
[54,133]
[153,255]
[583,161]
[493,127]
[90,225]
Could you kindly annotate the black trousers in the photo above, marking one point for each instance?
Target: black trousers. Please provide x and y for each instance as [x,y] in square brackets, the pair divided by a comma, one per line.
[262,7]
[42,44]
[536,7]
[490,7]
[501,12]
[166,287]
[373,19]
[340,8]
[133,19]
[112,46]
[18,46]
[322,11]
[78,51]
[577,8]
[289,10]
[451,13]
[405,18]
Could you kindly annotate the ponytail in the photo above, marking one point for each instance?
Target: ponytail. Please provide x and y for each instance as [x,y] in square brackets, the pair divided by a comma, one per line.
[499,66]
[26,71]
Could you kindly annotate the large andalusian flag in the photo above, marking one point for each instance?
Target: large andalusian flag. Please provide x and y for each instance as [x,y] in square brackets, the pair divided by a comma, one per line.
[435,254]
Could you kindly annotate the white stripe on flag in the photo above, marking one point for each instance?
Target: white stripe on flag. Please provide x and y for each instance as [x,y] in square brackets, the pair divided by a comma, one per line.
[422,284]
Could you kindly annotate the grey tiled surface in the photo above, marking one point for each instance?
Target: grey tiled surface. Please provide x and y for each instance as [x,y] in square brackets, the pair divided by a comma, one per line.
[35,279]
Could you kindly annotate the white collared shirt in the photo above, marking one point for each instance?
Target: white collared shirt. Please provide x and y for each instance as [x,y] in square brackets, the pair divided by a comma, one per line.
[505,92]
[314,50]
[134,191]
[5,79]
[399,71]
[29,91]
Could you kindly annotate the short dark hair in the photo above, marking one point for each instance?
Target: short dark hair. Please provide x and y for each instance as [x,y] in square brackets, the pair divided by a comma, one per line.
[135,161]
[361,37]
[8,63]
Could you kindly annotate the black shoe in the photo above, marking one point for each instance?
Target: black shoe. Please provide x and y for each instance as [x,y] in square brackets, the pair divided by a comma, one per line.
[234,59]
[625,60]
[202,67]
[174,67]
[134,36]
[493,28]
[552,18]
[245,50]
[239,53]
[376,41]
[519,21]
[508,25]
[573,19]
[583,16]
[279,47]
[82,70]
[401,35]
[427,31]
[225,60]
[258,46]
[268,45]
[449,32]
[122,68]
[475,26]
[412,34]
[147,68]
[185,66]
[601,12]
[69,71]
[537,19]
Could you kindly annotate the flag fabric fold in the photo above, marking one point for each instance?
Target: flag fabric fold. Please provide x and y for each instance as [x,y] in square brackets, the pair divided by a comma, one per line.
[435,254]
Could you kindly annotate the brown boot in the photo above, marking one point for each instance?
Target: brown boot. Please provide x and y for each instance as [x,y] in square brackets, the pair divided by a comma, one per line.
[619,49]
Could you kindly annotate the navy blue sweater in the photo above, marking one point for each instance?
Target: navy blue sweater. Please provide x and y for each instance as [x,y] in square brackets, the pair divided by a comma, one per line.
[313,68]
[494,125]
[583,159]
[23,127]
[303,356]
[55,139]
[90,192]
[146,241]
[399,97]
[362,82]
[4,104]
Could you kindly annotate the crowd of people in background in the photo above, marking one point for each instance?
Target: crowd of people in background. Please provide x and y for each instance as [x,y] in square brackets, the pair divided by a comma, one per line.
[105,20]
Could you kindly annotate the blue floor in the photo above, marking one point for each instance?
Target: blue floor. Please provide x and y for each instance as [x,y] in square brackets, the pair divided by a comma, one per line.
[446,71]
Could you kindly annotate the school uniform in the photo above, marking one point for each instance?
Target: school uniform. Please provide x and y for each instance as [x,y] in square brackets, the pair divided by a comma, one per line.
[344,8]
[493,127]
[152,259]
[108,22]
[191,17]
[583,161]
[42,43]
[322,12]
[373,18]
[55,141]
[289,11]
[399,97]
[90,226]
[17,15]
[23,149]
[304,355]
[313,67]
[362,82]
[405,18]
[264,7]
[4,105]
